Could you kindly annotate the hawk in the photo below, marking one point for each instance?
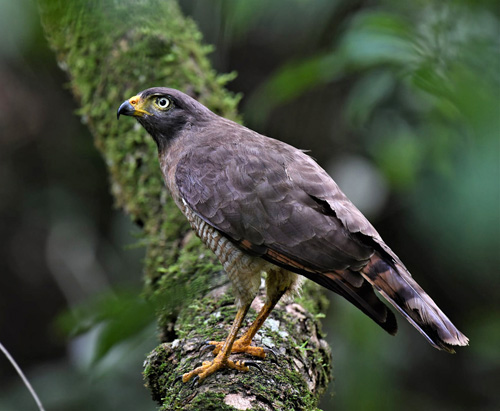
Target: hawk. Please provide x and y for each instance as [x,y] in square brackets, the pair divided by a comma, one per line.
[263,206]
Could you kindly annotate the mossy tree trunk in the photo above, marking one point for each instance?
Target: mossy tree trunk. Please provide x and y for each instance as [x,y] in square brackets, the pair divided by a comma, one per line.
[111,50]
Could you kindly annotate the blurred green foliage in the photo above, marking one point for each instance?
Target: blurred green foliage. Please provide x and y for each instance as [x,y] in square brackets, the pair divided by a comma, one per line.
[425,103]
[426,83]
[118,315]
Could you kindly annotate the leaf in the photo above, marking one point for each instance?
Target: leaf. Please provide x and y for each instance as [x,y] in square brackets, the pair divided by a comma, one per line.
[376,38]
[367,94]
[119,316]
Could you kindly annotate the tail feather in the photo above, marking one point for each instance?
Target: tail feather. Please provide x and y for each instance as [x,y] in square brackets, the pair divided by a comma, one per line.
[360,293]
[397,286]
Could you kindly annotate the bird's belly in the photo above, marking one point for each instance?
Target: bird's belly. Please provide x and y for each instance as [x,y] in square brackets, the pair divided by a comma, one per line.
[244,270]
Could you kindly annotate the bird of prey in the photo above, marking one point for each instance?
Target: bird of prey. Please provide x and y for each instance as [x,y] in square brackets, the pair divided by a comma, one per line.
[263,206]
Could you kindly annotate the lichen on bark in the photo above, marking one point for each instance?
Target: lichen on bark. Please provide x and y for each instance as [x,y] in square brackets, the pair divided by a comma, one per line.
[111,50]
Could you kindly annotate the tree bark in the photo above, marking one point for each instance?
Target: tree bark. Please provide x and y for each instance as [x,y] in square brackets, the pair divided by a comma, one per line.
[111,50]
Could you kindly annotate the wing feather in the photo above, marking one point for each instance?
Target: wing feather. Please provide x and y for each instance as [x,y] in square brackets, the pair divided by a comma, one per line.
[275,201]
[247,194]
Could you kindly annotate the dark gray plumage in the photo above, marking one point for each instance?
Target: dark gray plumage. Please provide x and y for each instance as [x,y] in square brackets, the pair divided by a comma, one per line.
[275,203]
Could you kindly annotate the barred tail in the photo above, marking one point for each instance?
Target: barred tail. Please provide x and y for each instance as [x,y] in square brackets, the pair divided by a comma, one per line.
[398,287]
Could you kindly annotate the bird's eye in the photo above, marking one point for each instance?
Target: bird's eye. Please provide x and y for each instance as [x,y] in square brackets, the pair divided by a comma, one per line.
[162,102]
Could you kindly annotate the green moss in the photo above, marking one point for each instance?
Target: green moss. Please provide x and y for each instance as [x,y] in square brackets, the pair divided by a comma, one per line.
[174,397]
[204,316]
[209,401]
[113,51]
[181,278]
[313,298]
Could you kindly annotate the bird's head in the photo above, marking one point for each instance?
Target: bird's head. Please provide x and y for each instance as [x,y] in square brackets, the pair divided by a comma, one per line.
[165,113]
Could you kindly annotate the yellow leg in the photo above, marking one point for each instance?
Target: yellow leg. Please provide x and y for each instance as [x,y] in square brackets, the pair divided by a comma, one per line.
[221,360]
[242,345]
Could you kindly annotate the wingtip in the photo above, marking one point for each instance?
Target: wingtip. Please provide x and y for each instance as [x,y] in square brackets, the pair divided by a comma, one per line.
[449,344]
[460,340]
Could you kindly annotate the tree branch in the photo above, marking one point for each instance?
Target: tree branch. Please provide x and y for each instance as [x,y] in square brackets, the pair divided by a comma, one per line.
[111,50]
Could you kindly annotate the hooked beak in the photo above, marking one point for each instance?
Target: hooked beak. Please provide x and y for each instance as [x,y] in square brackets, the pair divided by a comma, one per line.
[132,107]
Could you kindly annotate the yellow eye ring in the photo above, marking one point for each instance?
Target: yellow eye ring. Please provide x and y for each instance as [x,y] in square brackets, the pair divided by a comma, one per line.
[162,103]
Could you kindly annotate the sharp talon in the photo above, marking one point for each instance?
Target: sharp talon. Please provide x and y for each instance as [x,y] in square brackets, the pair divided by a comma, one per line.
[177,379]
[206,347]
[195,381]
[253,364]
[275,355]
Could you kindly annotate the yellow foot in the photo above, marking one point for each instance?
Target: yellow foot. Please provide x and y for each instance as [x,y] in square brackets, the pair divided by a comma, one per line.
[209,367]
[241,346]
